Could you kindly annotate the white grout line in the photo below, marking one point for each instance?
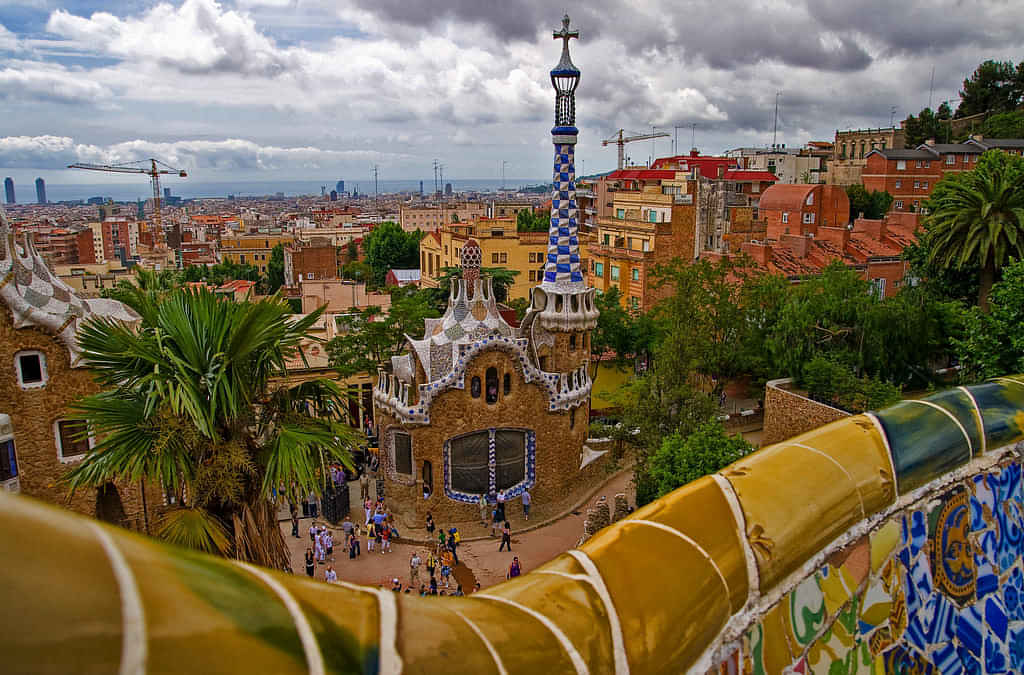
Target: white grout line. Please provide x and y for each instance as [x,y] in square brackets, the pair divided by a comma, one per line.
[687,539]
[577,660]
[390,660]
[753,574]
[487,643]
[134,648]
[856,488]
[597,581]
[314,659]
[980,421]
[970,446]
[888,453]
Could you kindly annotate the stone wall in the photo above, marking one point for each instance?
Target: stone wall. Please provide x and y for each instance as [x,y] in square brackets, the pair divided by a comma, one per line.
[787,413]
[34,413]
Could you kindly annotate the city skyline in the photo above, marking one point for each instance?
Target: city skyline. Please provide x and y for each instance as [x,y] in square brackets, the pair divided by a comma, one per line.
[271,89]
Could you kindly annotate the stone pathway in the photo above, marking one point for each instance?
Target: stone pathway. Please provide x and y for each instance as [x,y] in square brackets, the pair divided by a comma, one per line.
[480,558]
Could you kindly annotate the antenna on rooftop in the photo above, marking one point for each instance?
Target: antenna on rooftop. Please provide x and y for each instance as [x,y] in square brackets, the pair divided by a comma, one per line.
[892,115]
[931,88]
[775,128]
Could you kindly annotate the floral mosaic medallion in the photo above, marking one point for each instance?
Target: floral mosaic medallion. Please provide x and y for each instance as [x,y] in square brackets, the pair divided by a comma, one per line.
[953,568]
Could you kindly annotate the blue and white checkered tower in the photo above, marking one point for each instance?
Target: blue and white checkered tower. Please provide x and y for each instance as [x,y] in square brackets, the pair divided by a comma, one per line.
[562,269]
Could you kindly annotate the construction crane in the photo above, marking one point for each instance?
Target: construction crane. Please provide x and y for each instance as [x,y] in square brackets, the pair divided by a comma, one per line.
[621,141]
[153,171]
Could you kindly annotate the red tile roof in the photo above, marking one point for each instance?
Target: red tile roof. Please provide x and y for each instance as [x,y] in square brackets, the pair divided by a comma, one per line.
[750,174]
[642,174]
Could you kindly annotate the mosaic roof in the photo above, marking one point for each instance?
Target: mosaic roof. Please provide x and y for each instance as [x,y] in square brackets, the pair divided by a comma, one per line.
[38,298]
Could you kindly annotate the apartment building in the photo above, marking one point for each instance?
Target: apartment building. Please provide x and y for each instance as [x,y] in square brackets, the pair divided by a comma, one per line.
[500,244]
[254,249]
[788,165]
[802,209]
[910,175]
[429,218]
[310,261]
[852,147]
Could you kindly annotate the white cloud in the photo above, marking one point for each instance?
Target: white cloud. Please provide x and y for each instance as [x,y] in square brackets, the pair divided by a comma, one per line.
[32,80]
[9,42]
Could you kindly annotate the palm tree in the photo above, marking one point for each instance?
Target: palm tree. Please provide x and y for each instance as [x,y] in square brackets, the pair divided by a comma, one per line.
[977,219]
[190,401]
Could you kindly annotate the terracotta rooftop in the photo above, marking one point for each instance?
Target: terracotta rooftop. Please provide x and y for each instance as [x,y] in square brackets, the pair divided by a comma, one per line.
[785,196]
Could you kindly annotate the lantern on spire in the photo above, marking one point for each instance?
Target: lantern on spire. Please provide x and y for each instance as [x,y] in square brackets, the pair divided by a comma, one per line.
[564,78]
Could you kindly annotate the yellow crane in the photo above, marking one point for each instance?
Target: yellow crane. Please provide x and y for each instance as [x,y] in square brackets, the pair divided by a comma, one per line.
[155,169]
[621,141]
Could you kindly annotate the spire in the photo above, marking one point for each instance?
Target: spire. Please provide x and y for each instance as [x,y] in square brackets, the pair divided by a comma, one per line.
[562,269]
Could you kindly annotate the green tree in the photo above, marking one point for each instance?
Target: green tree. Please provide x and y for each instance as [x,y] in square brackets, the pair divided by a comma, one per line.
[836,385]
[1004,125]
[387,247]
[928,125]
[371,337]
[221,273]
[352,251]
[680,460]
[144,286]
[190,401]
[614,333]
[940,282]
[874,205]
[995,86]
[993,343]
[530,221]
[275,271]
[977,218]
[520,305]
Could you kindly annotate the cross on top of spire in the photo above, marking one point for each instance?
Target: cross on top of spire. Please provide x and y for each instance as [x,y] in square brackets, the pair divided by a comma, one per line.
[565,64]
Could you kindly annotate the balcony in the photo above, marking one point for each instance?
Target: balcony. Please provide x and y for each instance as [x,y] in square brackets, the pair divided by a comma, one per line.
[620,252]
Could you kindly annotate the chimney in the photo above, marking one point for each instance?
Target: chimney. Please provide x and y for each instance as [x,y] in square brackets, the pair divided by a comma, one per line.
[797,243]
[873,228]
[761,253]
[836,235]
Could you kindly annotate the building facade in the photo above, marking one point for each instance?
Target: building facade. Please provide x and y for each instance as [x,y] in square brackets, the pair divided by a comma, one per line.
[477,408]
[429,218]
[852,147]
[310,261]
[252,250]
[802,209]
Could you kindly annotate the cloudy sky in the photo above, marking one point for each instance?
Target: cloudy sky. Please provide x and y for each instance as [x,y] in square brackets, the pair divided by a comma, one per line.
[324,89]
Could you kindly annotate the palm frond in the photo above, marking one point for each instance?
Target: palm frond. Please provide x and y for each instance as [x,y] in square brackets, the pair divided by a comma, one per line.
[196,529]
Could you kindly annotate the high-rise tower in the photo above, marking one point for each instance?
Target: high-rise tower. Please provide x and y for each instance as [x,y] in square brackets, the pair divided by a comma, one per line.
[9,189]
[40,191]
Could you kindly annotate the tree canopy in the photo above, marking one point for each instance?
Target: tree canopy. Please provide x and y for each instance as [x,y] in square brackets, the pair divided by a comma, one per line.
[1004,125]
[994,87]
[680,460]
[388,246]
[874,205]
[928,125]
[530,221]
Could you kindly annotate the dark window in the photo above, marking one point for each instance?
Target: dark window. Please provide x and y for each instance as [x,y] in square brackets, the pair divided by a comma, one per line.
[492,385]
[428,479]
[572,418]
[8,460]
[572,341]
[31,368]
[474,387]
[469,463]
[71,444]
[509,458]
[403,453]
[508,383]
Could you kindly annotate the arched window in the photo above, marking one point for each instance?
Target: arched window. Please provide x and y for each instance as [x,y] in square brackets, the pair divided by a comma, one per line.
[492,385]
[474,387]
[507,384]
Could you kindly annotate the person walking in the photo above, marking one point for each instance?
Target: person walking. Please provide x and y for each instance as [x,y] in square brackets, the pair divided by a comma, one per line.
[527,500]
[295,522]
[346,527]
[414,569]
[364,486]
[430,526]
[312,533]
[482,503]
[506,537]
[385,537]
[371,536]
[514,570]
[453,543]
[368,508]
[378,538]
[499,514]
[446,566]
[431,563]
[329,544]
[313,509]
[310,562]
[330,576]
[433,585]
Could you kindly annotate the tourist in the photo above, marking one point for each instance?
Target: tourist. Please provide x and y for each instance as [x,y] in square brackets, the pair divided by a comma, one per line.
[313,509]
[446,566]
[414,568]
[506,537]
[482,503]
[364,486]
[453,543]
[527,499]
[346,527]
[385,536]
[514,570]
[433,585]
[380,516]
[329,544]
[431,563]
[353,544]
[330,576]
[312,533]
[430,525]
[371,536]
[378,536]
[458,592]
[441,539]
[396,586]
[499,513]
[310,562]
[295,522]
[321,547]
[368,508]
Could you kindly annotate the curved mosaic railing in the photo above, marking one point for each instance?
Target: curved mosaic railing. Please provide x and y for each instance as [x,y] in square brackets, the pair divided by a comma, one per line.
[879,543]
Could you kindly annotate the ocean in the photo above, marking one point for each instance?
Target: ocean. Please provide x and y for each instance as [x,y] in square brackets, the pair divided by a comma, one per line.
[187,189]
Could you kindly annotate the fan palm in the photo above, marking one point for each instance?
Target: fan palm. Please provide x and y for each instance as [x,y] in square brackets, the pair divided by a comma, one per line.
[977,219]
[190,400]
